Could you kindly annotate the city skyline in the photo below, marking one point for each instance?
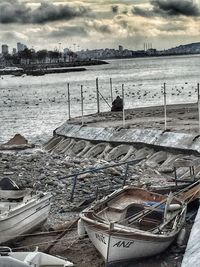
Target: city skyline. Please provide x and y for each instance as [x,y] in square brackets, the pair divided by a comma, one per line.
[99,23]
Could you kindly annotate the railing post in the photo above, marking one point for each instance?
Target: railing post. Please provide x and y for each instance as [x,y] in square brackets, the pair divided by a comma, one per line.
[111,93]
[82,121]
[73,188]
[97,192]
[176,178]
[125,175]
[198,103]
[68,100]
[165,105]
[97,89]
[123,110]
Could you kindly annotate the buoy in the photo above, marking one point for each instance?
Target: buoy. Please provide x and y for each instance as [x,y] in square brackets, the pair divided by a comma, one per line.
[181,237]
[174,207]
[81,229]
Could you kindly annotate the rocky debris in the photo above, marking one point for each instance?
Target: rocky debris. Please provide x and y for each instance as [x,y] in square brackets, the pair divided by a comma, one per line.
[40,170]
[17,142]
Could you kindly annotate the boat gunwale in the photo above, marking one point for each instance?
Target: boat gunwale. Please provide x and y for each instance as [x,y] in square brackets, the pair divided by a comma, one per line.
[124,230]
[119,192]
[139,235]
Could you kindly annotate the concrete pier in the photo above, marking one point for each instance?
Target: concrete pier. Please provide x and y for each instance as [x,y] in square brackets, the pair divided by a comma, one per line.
[151,137]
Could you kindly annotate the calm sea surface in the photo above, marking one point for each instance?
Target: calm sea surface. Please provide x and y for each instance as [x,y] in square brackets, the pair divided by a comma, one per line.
[35,106]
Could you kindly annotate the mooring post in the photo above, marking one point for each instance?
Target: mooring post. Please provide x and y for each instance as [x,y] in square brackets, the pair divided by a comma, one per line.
[198,103]
[97,89]
[73,188]
[82,122]
[111,93]
[123,105]
[165,105]
[68,100]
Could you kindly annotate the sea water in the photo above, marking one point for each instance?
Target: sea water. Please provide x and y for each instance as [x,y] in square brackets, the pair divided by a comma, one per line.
[35,105]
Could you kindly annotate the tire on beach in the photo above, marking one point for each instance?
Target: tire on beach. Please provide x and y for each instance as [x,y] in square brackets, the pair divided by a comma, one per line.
[120,152]
[52,143]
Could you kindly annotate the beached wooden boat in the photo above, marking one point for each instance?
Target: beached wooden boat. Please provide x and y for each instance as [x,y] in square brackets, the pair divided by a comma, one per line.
[133,223]
[27,259]
[21,211]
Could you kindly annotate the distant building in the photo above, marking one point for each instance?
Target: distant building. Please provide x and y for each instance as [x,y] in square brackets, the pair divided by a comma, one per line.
[121,48]
[14,51]
[21,47]
[151,51]
[4,49]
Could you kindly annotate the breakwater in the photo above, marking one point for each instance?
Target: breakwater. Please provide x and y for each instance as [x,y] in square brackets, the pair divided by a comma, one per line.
[47,68]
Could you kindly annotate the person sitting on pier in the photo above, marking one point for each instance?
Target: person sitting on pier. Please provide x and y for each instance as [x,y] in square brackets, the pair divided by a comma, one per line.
[117,104]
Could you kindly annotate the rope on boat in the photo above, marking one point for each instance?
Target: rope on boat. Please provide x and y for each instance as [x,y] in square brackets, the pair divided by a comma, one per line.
[50,242]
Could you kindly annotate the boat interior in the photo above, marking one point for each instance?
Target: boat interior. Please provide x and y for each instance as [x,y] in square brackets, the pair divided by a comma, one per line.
[138,208]
[9,199]
[6,206]
[35,258]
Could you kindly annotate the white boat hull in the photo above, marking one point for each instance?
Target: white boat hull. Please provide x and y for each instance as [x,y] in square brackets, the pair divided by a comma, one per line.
[120,248]
[36,259]
[125,226]
[24,218]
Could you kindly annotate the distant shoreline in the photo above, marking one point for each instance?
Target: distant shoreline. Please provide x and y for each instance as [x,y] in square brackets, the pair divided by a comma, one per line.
[46,68]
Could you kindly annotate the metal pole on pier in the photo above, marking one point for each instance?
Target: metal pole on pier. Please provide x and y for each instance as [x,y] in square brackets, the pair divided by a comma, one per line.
[165,105]
[123,105]
[198,104]
[111,93]
[82,122]
[97,88]
[68,100]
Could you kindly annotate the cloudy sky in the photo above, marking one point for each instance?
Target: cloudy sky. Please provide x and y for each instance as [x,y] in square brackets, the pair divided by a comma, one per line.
[99,23]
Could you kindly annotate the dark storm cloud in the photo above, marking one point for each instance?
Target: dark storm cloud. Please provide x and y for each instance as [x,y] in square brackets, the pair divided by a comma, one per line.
[13,11]
[69,31]
[49,12]
[115,9]
[169,8]
[176,7]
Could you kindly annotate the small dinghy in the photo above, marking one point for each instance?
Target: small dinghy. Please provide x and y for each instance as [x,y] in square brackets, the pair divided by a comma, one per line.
[21,211]
[132,223]
[27,259]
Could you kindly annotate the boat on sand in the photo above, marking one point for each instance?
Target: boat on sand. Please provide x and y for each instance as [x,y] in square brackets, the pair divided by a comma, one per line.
[133,223]
[21,211]
[27,259]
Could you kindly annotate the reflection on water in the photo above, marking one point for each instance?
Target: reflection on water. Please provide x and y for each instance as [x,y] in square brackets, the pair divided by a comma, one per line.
[35,106]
